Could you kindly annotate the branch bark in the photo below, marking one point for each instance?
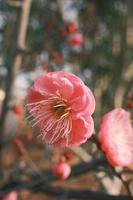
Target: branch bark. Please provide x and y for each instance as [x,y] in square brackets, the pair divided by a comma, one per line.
[14,62]
[38,185]
[15,57]
[43,185]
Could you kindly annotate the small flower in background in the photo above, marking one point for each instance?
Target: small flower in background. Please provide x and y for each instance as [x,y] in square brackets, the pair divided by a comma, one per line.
[76,39]
[61,106]
[17,109]
[72,27]
[68,155]
[61,169]
[116,137]
[11,196]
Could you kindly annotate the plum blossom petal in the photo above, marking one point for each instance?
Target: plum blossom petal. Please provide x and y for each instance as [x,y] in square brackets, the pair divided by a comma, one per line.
[43,84]
[64,87]
[84,131]
[33,95]
[83,97]
[116,137]
[60,104]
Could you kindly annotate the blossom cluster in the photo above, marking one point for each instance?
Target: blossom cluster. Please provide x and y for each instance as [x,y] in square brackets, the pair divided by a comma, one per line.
[61,105]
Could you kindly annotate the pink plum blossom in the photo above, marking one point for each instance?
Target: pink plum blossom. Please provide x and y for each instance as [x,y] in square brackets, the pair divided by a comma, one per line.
[72,27]
[61,169]
[116,137]
[76,39]
[61,105]
[11,196]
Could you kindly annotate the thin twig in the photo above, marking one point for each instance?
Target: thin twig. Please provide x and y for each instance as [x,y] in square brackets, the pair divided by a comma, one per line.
[119,175]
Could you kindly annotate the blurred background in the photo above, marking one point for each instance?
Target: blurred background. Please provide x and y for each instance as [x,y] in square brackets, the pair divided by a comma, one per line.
[91,38]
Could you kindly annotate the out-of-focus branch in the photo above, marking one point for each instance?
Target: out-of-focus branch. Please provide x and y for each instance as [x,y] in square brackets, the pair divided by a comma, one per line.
[38,185]
[15,57]
[15,4]
[14,61]
[123,65]
[124,181]
[22,150]
[81,153]
[118,175]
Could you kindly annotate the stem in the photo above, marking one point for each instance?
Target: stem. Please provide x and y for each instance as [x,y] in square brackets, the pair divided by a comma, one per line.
[119,175]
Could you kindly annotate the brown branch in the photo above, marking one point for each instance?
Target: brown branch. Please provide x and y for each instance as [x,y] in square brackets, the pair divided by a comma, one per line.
[14,4]
[14,63]
[38,185]
[15,57]
[118,175]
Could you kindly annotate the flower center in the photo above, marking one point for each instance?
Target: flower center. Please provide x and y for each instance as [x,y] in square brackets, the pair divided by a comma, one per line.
[61,109]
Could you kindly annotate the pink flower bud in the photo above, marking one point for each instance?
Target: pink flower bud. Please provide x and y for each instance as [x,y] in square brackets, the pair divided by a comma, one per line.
[11,196]
[68,155]
[61,169]
[72,27]
[76,39]
[17,109]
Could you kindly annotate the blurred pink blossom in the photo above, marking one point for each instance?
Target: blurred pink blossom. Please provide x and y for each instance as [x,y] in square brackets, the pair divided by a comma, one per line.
[17,109]
[72,27]
[11,196]
[61,169]
[61,106]
[116,137]
[76,39]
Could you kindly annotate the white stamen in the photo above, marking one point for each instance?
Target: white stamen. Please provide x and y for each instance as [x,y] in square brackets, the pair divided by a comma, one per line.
[42,117]
[59,105]
[58,126]
[34,103]
[64,125]
[28,117]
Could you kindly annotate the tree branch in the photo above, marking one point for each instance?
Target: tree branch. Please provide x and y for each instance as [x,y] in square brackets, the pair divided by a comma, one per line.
[37,185]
